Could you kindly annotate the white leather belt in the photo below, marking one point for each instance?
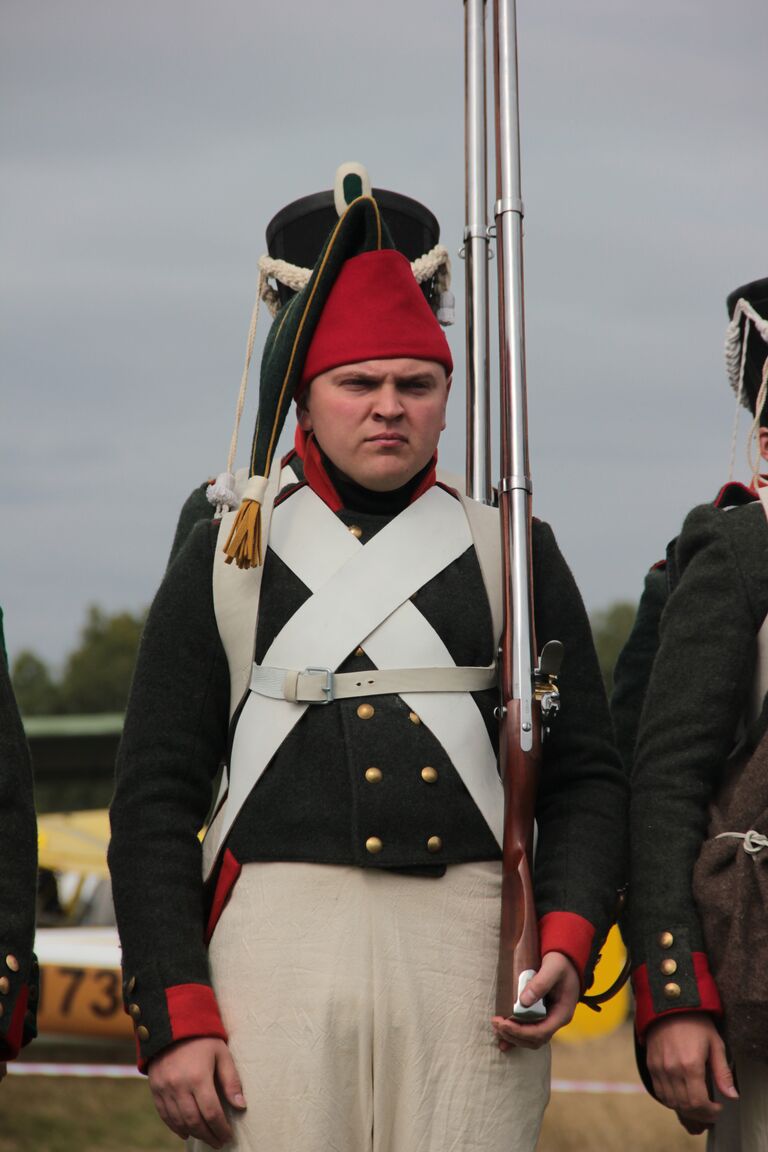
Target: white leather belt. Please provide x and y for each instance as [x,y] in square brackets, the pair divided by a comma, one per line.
[321,685]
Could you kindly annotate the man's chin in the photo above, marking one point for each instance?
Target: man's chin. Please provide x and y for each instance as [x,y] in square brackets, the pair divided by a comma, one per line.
[384,479]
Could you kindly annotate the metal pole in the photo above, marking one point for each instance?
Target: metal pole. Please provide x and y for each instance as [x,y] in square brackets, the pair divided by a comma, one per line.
[515,478]
[476,255]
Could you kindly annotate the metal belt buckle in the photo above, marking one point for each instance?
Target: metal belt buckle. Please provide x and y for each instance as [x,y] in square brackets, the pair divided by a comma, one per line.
[327,687]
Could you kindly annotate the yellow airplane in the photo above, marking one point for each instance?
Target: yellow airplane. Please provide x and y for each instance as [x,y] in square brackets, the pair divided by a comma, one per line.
[80,982]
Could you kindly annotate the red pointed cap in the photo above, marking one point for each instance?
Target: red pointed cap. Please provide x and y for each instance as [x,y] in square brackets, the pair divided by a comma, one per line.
[375,311]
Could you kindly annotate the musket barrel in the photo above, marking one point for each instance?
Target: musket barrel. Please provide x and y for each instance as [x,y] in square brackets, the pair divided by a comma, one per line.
[514,429]
[476,254]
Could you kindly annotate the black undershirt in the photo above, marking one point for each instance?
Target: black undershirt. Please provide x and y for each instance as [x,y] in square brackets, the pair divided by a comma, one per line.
[356,498]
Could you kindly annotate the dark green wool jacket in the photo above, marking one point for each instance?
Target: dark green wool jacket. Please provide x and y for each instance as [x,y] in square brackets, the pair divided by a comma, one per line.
[633,667]
[18,969]
[699,687]
[314,803]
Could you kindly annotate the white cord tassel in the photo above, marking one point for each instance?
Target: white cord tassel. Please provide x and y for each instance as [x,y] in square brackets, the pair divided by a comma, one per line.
[446,309]
[221,492]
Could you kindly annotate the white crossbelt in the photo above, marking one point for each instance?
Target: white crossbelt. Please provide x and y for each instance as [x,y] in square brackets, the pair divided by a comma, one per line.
[321,685]
[361,596]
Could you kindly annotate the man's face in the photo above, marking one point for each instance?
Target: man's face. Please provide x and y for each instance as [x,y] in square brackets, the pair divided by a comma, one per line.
[379,421]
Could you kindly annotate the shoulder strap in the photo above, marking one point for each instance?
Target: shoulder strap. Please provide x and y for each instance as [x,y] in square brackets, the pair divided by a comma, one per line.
[486,537]
[760,686]
[236,593]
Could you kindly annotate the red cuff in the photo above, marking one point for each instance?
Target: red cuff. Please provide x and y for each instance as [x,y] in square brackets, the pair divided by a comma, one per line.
[228,874]
[570,934]
[193,1011]
[10,1044]
[709,997]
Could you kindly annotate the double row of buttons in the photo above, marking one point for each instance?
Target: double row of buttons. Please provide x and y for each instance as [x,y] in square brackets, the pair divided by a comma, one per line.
[429,775]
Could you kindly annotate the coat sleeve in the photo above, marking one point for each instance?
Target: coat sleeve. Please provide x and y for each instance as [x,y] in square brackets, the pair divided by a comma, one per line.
[699,685]
[18,970]
[174,740]
[196,507]
[633,667]
[581,857]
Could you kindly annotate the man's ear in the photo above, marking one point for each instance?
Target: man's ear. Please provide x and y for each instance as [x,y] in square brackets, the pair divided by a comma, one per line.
[762,439]
[448,383]
[302,414]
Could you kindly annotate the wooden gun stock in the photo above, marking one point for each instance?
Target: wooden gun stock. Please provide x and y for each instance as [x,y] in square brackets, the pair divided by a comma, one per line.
[519,936]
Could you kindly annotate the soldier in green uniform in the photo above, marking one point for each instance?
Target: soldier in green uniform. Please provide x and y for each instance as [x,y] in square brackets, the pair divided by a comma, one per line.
[353,875]
[18,970]
[701,682]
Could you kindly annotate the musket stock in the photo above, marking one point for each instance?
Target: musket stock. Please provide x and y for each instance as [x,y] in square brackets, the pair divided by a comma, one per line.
[519,935]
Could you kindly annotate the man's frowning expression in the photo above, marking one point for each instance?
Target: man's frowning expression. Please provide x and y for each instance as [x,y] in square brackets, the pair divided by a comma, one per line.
[379,421]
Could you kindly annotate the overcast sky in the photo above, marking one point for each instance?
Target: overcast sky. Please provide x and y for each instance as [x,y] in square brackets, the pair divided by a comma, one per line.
[146,145]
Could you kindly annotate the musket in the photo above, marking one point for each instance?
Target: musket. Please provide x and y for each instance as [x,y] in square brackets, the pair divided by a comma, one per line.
[526,691]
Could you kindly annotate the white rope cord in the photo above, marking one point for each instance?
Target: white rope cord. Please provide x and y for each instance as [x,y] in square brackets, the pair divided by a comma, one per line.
[754,842]
[739,402]
[222,491]
[753,449]
[736,342]
[436,262]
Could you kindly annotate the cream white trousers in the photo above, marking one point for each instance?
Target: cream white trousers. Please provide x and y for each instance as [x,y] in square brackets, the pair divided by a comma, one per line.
[358,1006]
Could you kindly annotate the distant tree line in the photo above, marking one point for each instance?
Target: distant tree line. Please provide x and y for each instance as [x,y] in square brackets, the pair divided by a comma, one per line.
[96,676]
[611,627]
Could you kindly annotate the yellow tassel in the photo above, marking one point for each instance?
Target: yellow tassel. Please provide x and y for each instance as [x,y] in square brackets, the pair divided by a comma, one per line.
[244,542]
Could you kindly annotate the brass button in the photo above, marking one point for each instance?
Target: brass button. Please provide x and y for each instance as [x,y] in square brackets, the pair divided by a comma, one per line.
[131,985]
[671,991]
[12,963]
[134,1011]
[669,967]
[356,531]
[365,711]
[373,845]
[142,1032]
[434,844]
[5,985]
[359,651]
[666,939]
[429,775]
[414,718]
[373,775]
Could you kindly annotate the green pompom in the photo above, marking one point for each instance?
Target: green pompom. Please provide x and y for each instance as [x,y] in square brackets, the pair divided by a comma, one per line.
[353,187]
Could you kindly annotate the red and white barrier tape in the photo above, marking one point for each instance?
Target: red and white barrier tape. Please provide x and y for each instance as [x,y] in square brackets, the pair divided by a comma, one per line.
[128,1072]
[83,1071]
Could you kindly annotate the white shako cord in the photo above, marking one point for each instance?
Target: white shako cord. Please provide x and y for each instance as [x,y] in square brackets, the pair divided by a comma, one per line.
[735,360]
